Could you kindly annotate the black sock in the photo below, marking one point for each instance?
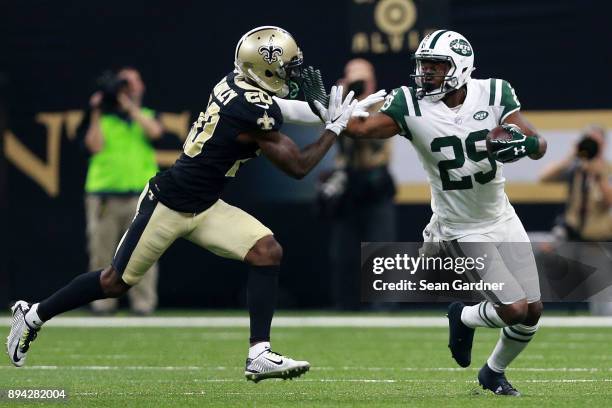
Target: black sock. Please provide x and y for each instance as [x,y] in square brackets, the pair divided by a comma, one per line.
[80,291]
[261,299]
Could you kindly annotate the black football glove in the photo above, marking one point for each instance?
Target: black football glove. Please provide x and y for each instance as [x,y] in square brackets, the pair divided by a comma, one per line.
[511,150]
[313,88]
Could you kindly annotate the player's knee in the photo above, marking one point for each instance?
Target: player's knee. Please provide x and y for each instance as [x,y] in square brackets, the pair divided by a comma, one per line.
[266,251]
[534,312]
[112,284]
[514,313]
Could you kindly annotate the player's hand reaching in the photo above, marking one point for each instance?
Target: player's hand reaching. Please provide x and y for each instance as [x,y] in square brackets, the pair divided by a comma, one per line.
[313,89]
[338,112]
[361,109]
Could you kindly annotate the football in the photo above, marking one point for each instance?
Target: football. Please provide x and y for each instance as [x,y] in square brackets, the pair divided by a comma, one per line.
[497,133]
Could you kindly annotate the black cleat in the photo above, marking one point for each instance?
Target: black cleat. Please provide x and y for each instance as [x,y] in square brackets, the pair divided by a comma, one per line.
[460,337]
[496,382]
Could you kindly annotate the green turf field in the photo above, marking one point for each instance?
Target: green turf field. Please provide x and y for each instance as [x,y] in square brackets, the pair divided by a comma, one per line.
[194,367]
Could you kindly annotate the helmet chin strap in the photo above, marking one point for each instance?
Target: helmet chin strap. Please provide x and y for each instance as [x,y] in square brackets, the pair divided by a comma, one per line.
[263,85]
[257,80]
[440,92]
[434,98]
[284,91]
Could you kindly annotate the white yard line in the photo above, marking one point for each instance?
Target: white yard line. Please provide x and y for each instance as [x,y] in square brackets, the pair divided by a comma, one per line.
[362,380]
[343,368]
[313,321]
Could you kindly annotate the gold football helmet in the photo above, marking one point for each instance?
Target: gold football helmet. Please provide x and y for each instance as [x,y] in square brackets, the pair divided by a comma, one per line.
[267,56]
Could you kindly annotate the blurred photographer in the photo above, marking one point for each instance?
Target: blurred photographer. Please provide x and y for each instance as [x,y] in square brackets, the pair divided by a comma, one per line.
[118,137]
[587,213]
[358,195]
[588,216]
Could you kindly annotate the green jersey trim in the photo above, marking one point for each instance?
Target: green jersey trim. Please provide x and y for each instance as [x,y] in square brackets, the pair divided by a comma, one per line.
[502,94]
[413,102]
[509,100]
[396,106]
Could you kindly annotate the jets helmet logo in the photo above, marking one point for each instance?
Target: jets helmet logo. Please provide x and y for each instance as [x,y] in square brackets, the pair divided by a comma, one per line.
[266,122]
[270,53]
[461,47]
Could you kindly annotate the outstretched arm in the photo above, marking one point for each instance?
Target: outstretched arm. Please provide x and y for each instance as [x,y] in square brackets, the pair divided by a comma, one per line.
[288,157]
[285,154]
[375,126]
[297,112]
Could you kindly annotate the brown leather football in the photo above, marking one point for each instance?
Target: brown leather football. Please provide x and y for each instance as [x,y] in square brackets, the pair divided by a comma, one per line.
[497,133]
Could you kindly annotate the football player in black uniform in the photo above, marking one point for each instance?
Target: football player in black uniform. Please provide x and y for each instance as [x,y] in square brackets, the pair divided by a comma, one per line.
[241,121]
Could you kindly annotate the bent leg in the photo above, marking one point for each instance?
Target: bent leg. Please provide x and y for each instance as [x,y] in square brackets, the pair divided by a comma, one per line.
[514,338]
[154,228]
[232,233]
[80,291]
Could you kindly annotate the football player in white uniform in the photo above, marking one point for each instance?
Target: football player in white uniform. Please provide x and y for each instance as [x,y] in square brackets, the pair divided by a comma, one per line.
[447,118]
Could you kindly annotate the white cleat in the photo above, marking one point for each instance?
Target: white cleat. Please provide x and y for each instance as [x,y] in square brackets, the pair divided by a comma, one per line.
[21,335]
[273,365]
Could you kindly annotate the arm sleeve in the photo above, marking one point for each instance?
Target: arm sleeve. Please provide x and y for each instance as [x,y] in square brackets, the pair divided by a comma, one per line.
[503,97]
[297,112]
[395,107]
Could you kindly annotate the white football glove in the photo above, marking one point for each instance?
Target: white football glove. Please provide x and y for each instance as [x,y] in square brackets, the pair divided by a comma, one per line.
[361,110]
[338,113]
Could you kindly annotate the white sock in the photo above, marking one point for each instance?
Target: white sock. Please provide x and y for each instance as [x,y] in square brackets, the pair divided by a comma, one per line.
[32,318]
[483,314]
[258,348]
[512,340]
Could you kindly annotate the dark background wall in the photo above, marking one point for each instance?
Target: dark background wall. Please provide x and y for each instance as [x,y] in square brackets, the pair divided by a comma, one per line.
[555,52]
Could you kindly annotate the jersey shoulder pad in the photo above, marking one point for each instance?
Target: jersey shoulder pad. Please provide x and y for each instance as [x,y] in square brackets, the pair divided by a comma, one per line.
[401,104]
[254,107]
[501,94]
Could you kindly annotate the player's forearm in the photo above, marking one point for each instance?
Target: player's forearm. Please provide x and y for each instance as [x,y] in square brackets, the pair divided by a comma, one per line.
[542,146]
[359,128]
[312,154]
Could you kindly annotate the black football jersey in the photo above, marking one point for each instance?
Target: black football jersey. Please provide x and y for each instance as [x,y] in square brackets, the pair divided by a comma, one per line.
[212,155]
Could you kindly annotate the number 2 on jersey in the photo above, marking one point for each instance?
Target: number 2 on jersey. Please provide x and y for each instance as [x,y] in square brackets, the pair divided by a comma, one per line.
[202,130]
[465,182]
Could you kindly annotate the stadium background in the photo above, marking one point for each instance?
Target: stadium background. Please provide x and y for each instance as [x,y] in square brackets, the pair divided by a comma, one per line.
[52,51]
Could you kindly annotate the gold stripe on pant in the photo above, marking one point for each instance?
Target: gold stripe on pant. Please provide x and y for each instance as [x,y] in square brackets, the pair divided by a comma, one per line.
[223,229]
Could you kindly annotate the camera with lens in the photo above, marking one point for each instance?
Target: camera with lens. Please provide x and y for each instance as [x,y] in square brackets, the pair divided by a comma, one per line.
[110,85]
[587,148]
[357,86]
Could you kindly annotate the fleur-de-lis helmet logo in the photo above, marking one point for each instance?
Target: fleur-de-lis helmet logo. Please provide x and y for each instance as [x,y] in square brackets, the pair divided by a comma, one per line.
[270,52]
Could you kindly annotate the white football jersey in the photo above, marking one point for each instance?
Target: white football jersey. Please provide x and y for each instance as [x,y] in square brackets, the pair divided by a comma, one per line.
[467,186]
